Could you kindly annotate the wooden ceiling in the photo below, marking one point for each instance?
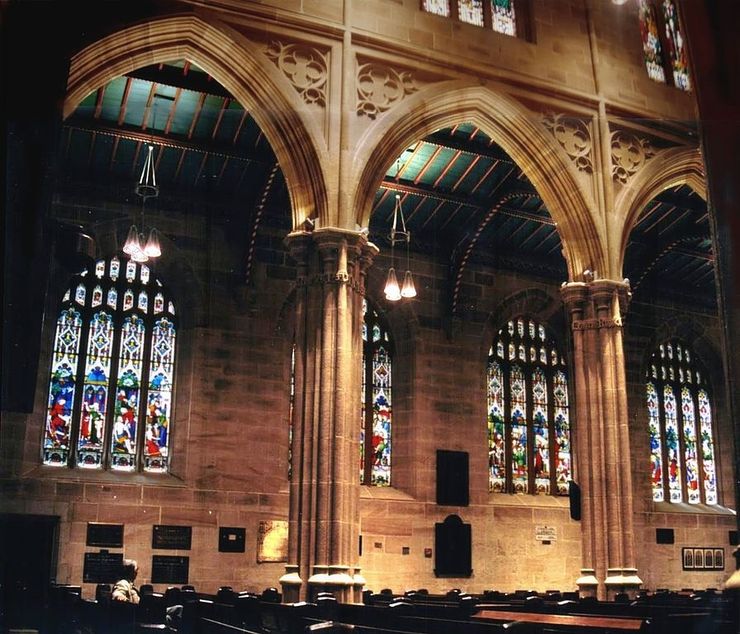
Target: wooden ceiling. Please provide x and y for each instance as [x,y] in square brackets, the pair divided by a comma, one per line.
[463,198]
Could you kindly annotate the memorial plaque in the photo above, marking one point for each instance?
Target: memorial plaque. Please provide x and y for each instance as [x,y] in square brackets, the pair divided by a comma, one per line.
[105,535]
[272,541]
[102,567]
[168,569]
[172,537]
[232,540]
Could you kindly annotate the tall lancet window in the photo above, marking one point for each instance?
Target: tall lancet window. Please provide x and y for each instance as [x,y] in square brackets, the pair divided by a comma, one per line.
[110,393]
[528,412]
[663,45]
[682,457]
[377,400]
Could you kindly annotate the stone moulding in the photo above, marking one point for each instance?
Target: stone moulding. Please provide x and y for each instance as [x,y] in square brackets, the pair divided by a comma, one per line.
[380,86]
[574,136]
[629,154]
[305,67]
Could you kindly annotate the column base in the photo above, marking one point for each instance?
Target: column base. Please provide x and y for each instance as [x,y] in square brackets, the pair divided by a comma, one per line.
[291,583]
[622,580]
[587,583]
[334,579]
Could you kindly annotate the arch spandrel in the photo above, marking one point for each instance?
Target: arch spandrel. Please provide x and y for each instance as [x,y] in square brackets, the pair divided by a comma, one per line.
[510,124]
[241,68]
[668,168]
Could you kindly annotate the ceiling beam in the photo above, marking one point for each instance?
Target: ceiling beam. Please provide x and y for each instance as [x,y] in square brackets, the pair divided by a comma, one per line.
[134,133]
[174,76]
[471,147]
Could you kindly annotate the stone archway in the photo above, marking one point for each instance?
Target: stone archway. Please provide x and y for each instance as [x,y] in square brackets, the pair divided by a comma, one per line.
[675,166]
[516,130]
[241,67]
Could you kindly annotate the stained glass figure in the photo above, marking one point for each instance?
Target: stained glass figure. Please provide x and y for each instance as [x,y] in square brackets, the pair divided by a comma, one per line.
[377,401]
[470,11]
[97,296]
[437,7]
[503,17]
[528,414]
[518,430]
[675,45]
[128,394]
[541,445]
[561,458]
[707,447]
[682,463]
[65,358]
[95,392]
[496,432]
[159,400]
[691,462]
[114,406]
[656,449]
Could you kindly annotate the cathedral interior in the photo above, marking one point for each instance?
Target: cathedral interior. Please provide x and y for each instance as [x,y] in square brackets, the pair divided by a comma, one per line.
[327,295]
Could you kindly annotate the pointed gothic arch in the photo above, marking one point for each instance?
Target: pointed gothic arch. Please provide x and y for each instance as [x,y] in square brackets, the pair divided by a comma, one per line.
[236,63]
[521,136]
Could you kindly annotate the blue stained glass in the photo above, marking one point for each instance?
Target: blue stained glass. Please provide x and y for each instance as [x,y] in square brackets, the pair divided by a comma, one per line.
[470,11]
[437,7]
[159,404]
[518,431]
[504,16]
[62,388]
[95,392]
[496,431]
[651,48]
[656,450]
[675,44]
[707,447]
[80,294]
[541,445]
[112,301]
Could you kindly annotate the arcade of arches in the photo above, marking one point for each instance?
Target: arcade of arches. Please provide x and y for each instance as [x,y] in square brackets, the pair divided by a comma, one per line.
[566,333]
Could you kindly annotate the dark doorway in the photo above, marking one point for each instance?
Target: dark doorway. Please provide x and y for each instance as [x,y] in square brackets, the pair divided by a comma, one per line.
[28,554]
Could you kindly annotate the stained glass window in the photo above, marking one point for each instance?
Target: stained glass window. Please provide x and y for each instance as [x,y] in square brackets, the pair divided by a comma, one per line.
[126,392]
[470,11]
[437,7]
[377,401]
[498,15]
[528,414]
[682,462]
[663,43]
[503,16]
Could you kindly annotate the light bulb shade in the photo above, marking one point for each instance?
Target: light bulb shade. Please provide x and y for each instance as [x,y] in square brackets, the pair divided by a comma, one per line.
[147,185]
[408,289]
[139,256]
[132,244]
[152,248]
[392,291]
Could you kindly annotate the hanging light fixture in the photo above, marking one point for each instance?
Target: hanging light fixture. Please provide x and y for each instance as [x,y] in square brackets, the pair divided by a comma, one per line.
[399,233]
[140,246]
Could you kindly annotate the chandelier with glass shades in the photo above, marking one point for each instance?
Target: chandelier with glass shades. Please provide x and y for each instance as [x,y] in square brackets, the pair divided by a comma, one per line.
[399,233]
[140,246]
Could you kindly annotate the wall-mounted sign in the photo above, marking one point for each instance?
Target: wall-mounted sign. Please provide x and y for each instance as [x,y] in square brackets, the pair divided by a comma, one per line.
[272,541]
[102,567]
[231,540]
[172,537]
[104,535]
[166,569]
[545,534]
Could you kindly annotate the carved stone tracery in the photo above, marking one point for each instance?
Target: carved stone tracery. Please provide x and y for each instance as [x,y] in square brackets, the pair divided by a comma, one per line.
[305,67]
[629,154]
[574,137]
[380,86]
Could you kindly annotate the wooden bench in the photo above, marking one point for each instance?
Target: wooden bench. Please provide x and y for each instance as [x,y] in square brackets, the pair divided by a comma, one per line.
[567,622]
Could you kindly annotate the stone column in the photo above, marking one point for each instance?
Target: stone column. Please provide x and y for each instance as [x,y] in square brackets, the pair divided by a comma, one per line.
[324,490]
[602,437]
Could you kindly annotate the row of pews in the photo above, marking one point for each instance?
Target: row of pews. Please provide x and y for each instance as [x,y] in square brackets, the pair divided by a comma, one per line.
[413,612]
